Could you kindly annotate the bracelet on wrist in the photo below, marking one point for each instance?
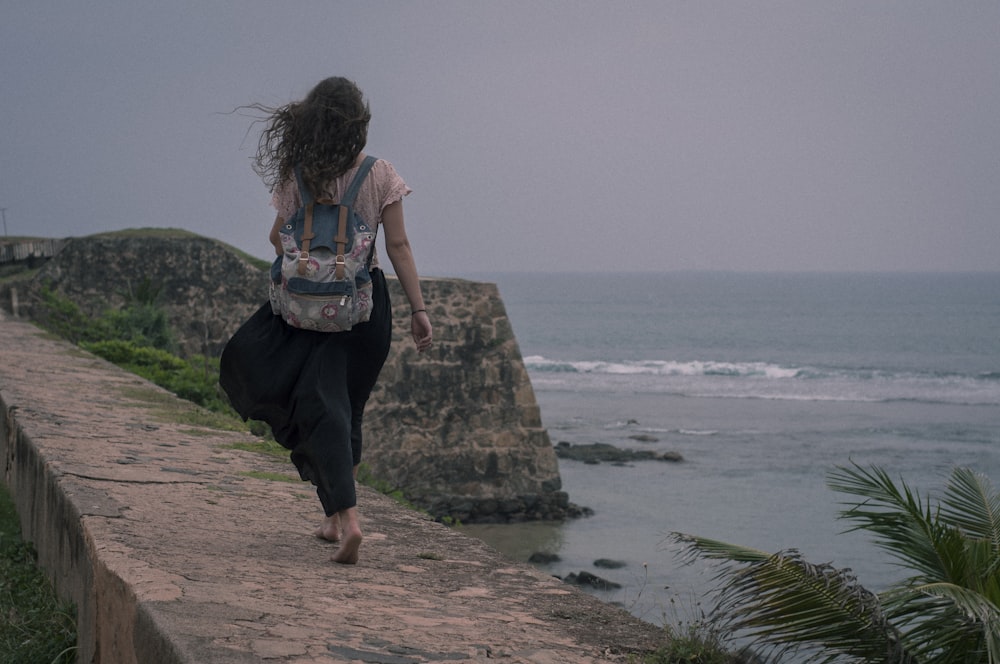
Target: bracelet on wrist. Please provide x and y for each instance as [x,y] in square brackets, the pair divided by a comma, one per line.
[417,311]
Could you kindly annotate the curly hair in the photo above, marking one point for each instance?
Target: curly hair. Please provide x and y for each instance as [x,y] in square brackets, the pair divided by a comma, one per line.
[325,133]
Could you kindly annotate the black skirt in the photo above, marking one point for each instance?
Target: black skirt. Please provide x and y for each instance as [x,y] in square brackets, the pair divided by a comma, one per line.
[311,388]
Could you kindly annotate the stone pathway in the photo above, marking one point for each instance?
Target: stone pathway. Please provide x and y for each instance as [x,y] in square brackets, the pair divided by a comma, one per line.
[177,547]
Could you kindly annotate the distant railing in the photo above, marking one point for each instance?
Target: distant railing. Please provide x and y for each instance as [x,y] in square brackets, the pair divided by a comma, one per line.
[26,250]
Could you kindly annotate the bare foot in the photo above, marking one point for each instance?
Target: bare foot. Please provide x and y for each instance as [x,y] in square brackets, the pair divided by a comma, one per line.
[350,541]
[329,530]
[347,554]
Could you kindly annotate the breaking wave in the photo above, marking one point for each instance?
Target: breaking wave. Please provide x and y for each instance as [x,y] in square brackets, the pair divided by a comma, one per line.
[762,380]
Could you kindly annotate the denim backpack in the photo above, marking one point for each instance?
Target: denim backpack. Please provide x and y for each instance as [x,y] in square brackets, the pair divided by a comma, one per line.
[322,281]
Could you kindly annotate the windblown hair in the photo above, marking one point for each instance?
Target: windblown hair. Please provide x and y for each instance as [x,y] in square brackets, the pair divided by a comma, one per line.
[325,133]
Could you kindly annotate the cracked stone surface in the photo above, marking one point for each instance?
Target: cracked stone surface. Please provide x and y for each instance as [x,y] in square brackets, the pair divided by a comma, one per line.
[174,553]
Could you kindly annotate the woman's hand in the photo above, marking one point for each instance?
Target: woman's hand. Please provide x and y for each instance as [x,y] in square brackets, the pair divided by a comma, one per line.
[420,328]
[397,246]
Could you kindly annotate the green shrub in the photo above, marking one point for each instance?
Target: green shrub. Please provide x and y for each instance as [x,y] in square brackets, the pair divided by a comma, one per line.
[142,324]
[194,380]
[62,317]
[34,625]
[140,321]
[692,643]
[138,338]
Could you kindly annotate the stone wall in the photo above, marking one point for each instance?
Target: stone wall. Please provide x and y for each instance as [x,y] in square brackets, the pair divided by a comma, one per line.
[458,426]
[457,429]
[206,288]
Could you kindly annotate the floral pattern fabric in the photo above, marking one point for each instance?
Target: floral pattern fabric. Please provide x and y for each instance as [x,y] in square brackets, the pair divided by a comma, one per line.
[382,187]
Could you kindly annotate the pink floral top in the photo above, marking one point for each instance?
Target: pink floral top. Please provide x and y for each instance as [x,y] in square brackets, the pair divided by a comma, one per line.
[382,187]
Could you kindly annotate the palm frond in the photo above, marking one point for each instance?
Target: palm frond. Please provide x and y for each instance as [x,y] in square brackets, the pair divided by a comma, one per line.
[972,505]
[704,547]
[980,627]
[935,631]
[903,523]
[789,600]
[947,612]
[784,602]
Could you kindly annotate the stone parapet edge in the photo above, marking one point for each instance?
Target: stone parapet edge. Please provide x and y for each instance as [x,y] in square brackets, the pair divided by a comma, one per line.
[80,515]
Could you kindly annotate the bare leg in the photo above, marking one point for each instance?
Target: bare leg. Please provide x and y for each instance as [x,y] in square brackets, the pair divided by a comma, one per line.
[329,530]
[351,537]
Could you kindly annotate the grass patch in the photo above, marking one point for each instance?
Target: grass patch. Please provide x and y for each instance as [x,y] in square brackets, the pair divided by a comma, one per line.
[691,645]
[13,274]
[207,432]
[168,233]
[693,641]
[261,446]
[366,477]
[34,625]
[180,234]
[168,408]
[266,475]
[428,555]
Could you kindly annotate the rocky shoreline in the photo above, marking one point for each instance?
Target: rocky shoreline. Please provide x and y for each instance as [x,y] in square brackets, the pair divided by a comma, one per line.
[583,577]
[552,506]
[594,453]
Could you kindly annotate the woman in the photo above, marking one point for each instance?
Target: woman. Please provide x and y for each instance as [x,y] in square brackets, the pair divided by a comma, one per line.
[311,387]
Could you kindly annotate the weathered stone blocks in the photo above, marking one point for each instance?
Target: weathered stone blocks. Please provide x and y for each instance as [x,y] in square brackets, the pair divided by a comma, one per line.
[457,429]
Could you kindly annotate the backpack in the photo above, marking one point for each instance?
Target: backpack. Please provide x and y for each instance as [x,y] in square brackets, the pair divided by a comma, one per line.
[322,280]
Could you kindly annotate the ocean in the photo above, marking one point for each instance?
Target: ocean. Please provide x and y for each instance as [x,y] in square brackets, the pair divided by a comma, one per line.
[763,383]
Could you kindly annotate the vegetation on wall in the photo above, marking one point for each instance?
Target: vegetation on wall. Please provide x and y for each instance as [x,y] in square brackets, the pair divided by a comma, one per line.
[138,338]
[34,625]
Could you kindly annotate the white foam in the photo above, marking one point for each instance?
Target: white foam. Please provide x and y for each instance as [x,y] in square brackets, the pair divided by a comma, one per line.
[664,367]
[759,380]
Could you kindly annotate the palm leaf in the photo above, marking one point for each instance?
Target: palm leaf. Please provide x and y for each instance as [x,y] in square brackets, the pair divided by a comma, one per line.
[979,627]
[904,525]
[984,614]
[971,504]
[945,613]
[784,602]
[704,547]
[934,628]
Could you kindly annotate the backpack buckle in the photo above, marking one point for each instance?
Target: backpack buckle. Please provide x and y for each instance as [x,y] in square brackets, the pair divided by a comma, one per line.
[303,265]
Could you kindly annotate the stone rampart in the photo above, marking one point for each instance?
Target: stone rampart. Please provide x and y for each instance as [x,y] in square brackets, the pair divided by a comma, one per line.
[457,429]
[179,547]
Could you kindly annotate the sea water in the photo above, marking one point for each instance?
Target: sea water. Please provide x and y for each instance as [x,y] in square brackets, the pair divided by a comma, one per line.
[764,383]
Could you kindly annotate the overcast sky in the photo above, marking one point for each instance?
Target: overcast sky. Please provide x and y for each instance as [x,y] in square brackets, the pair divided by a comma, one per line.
[566,136]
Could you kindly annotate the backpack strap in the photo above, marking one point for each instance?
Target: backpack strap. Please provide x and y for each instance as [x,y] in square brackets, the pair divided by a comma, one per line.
[359,178]
[346,201]
[307,232]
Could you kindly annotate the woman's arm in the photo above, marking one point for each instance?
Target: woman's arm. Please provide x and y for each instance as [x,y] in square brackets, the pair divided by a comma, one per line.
[397,246]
